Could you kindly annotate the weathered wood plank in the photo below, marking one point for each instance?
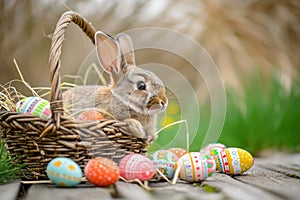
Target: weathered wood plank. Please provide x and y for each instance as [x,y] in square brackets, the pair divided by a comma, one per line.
[236,190]
[51,192]
[288,164]
[183,190]
[10,191]
[131,191]
[274,182]
[290,172]
[281,159]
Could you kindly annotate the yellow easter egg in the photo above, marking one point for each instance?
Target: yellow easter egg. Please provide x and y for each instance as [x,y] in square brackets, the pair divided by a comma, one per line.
[234,161]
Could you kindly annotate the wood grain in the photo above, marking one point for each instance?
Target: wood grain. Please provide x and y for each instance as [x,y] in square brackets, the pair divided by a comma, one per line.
[9,191]
[51,192]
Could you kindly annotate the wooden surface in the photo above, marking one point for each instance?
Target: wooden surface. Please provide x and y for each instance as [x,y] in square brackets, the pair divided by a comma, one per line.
[276,177]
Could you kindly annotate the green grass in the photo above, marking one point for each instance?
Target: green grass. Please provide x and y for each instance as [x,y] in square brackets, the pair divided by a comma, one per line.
[265,116]
[9,171]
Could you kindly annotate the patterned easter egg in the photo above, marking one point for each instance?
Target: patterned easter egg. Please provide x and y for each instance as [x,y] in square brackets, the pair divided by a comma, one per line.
[34,106]
[136,166]
[195,167]
[165,161]
[102,171]
[212,149]
[90,115]
[64,172]
[234,161]
[178,151]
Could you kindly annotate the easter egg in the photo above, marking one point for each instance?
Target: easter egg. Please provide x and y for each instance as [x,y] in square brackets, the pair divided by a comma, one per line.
[195,167]
[164,161]
[234,161]
[64,172]
[212,149]
[136,166]
[90,115]
[34,106]
[178,151]
[102,171]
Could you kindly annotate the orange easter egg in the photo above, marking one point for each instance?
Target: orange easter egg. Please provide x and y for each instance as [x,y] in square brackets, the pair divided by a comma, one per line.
[178,151]
[102,172]
[90,115]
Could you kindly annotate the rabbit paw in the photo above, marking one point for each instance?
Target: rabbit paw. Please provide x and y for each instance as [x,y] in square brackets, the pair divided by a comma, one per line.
[136,128]
[151,138]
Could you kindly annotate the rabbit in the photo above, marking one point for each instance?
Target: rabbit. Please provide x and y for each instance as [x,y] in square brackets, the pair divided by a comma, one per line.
[135,95]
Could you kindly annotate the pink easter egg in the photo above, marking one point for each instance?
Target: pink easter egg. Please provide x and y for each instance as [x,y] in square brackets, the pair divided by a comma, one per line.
[195,167]
[136,166]
[212,149]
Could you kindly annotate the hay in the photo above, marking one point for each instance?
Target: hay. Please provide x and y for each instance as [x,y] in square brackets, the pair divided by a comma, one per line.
[10,95]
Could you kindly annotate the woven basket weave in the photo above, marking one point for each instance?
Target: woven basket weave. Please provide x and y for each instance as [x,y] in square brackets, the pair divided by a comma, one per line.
[35,141]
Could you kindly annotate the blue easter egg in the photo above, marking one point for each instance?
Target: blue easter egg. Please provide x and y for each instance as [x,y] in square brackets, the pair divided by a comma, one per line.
[64,172]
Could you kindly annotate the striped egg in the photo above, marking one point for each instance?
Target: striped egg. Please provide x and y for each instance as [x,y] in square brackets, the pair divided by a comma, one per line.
[136,166]
[212,149]
[195,167]
[164,161]
[34,106]
[234,161]
[64,172]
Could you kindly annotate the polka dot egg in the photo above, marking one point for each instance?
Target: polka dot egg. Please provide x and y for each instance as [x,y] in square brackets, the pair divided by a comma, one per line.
[136,166]
[64,172]
[212,149]
[195,167]
[178,151]
[164,161]
[102,171]
[234,161]
[34,106]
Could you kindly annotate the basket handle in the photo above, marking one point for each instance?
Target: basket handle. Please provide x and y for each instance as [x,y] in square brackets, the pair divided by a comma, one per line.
[54,58]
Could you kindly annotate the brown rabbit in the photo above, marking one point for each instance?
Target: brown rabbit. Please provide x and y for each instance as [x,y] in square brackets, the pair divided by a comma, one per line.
[135,95]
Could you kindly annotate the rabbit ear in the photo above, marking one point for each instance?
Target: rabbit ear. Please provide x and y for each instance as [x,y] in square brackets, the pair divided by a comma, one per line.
[108,52]
[126,46]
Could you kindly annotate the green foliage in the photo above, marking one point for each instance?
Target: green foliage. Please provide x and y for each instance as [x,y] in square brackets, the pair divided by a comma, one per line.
[209,188]
[8,169]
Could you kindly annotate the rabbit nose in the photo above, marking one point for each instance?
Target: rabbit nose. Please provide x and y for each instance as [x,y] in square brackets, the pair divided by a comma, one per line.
[163,104]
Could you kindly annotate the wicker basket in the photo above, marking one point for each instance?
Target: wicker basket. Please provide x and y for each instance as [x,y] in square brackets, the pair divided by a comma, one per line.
[36,141]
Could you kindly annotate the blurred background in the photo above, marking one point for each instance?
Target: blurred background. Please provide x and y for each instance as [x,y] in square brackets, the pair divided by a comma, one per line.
[255,45]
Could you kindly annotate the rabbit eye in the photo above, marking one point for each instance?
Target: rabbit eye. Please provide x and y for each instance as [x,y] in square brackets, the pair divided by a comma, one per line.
[141,85]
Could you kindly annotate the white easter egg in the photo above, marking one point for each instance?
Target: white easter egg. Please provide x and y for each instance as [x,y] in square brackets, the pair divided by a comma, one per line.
[195,167]
[164,161]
